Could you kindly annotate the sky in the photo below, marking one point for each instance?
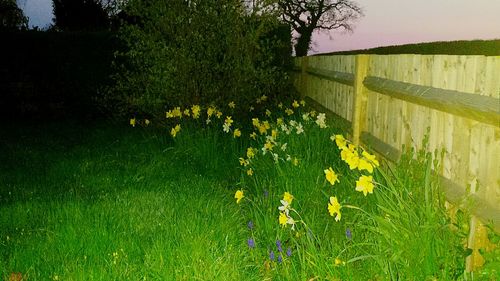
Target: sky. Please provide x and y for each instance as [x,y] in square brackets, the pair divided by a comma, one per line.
[386,22]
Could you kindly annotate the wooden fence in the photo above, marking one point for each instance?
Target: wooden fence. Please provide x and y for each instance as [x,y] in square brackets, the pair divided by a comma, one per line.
[388,101]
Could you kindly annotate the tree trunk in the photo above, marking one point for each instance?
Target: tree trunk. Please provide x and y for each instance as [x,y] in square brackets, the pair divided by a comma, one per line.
[303,43]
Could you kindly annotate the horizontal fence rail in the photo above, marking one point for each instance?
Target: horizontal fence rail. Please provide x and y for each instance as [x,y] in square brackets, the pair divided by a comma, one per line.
[390,101]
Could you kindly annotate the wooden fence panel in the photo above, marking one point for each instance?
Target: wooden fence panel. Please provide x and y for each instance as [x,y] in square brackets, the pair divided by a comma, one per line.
[456,97]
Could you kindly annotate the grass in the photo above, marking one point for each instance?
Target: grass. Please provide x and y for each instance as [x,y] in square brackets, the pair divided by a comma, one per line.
[105,202]
[111,202]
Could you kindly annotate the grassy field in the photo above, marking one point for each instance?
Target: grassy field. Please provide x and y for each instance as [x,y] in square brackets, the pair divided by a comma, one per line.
[108,201]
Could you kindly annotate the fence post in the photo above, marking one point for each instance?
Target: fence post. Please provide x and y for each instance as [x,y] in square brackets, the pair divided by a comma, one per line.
[303,77]
[360,98]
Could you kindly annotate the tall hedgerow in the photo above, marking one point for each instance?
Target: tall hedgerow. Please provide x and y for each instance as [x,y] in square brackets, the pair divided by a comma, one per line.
[199,51]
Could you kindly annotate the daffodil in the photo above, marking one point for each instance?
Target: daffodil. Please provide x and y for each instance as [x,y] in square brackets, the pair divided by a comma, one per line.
[288,197]
[263,97]
[250,172]
[339,140]
[176,112]
[227,124]
[365,165]
[279,121]
[288,111]
[132,122]
[282,219]
[237,133]
[210,111]
[268,113]
[299,128]
[231,104]
[255,122]
[370,158]
[251,152]
[187,112]
[175,130]
[295,104]
[334,208]
[238,196]
[303,102]
[330,175]
[253,135]
[295,161]
[244,162]
[268,146]
[195,110]
[147,122]
[285,207]
[365,184]
[321,120]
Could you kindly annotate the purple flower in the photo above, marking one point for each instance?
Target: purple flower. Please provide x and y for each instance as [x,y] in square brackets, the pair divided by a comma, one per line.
[271,255]
[250,225]
[289,252]
[280,259]
[266,193]
[348,233]
[251,243]
[278,244]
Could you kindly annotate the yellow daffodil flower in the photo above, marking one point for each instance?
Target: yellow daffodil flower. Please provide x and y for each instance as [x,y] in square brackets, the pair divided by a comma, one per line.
[250,172]
[340,141]
[238,196]
[288,197]
[253,135]
[365,184]
[210,111]
[175,130]
[255,122]
[231,104]
[244,162]
[132,122]
[237,133]
[365,165]
[147,122]
[370,158]
[334,208]
[295,104]
[283,219]
[251,152]
[303,102]
[268,113]
[288,111]
[176,112]
[195,110]
[187,112]
[330,175]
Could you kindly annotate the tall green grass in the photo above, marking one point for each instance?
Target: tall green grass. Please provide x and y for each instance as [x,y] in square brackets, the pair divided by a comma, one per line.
[111,202]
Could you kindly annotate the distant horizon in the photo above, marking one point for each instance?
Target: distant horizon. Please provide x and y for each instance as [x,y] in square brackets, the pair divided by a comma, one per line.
[386,23]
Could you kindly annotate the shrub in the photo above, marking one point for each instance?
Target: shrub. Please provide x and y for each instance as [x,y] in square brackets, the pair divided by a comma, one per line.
[200,51]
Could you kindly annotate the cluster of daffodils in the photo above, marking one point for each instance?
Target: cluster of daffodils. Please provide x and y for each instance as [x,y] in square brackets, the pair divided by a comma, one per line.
[285,218]
[267,132]
[350,155]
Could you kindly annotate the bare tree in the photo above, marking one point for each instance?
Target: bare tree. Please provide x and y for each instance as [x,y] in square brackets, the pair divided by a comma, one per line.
[306,16]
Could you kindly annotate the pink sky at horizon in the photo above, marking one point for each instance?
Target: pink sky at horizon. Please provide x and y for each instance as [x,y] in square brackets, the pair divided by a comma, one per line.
[386,22]
[397,22]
